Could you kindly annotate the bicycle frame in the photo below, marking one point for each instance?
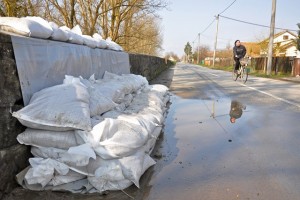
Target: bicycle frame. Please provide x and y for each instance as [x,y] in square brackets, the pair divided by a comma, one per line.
[242,72]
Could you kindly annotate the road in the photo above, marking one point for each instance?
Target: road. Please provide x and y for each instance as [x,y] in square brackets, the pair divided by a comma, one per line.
[208,157]
[202,155]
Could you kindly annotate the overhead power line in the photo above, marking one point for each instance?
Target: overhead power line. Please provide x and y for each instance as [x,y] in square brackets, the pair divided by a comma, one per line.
[209,25]
[218,14]
[255,24]
[227,7]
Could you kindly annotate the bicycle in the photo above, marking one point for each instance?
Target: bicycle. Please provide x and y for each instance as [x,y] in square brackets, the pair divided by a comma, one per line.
[243,71]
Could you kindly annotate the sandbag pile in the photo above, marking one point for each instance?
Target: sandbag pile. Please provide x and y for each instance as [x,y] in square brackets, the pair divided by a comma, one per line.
[37,27]
[91,135]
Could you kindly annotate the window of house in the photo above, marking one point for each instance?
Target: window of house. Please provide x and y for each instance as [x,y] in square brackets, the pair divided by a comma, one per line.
[285,37]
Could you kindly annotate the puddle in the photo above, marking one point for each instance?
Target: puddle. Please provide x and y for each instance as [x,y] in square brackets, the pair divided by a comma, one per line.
[205,153]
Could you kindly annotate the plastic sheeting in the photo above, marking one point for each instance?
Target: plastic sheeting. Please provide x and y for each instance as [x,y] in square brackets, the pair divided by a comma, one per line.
[44,63]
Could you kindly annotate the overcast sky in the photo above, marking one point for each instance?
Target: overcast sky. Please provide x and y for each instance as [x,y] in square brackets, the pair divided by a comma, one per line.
[184,19]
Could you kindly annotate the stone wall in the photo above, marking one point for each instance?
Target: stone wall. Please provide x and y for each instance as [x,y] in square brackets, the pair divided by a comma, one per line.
[13,156]
[148,66]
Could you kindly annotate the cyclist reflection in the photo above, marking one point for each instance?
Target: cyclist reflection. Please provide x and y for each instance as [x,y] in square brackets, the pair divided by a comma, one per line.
[236,110]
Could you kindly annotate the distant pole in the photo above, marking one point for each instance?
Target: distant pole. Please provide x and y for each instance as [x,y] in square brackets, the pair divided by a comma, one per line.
[217,17]
[272,27]
[198,50]
[193,53]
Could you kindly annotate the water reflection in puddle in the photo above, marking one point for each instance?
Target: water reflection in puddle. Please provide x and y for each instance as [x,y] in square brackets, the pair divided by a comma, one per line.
[205,154]
[196,134]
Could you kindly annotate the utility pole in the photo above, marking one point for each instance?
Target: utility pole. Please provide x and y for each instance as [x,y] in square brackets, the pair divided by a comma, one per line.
[272,27]
[217,17]
[198,50]
[193,53]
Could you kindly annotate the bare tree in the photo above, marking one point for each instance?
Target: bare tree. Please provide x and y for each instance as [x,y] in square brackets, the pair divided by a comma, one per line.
[132,23]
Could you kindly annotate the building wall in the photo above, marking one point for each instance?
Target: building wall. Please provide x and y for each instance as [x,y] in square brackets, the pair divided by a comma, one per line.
[282,40]
[292,52]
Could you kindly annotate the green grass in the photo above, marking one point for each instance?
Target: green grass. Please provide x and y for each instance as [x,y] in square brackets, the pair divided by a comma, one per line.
[252,72]
[226,68]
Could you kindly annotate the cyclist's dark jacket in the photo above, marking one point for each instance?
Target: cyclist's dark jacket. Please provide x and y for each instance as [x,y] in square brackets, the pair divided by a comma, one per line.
[240,51]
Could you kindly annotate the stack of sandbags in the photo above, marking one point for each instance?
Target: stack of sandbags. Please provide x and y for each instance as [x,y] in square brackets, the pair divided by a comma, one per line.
[37,27]
[91,135]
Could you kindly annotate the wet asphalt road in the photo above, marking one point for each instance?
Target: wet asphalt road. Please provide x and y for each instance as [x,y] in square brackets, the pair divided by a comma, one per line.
[202,155]
[208,157]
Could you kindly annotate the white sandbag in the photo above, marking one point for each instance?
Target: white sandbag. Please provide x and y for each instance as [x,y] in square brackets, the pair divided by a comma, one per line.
[108,76]
[97,36]
[58,108]
[101,43]
[159,89]
[158,115]
[143,101]
[58,33]
[110,170]
[112,89]
[125,102]
[74,37]
[112,114]
[113,46]
[137,80]
[89,41]
[121,138]
[93,165]
[47,152]
[103,185]
[43,170]
[70,177]
[96,120]
[26,26]
[44,138]
[61,155]
[133,167]
[40,176]
[124,86]
[150,144]
[99,103]
[133,81]
[114,174]
[84,150]
[146,121]
[128,99]
[77,30]
[71,79]
[80,186]
[113,138]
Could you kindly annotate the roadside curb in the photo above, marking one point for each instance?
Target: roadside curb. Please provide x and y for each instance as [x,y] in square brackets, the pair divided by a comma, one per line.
[294,80]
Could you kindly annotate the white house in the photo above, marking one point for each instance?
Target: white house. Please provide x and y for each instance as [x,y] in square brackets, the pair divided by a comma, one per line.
[284,45]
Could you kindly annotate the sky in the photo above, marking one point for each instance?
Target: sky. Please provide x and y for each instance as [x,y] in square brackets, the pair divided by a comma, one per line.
[184,19]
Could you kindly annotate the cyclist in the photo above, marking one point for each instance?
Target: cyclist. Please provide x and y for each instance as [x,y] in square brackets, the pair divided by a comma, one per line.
[239,52]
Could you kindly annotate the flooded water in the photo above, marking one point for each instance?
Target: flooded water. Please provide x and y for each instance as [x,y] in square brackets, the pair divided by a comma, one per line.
[206,156]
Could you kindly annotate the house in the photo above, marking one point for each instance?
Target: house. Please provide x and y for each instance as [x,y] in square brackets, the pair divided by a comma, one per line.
[283,45]
[253,49]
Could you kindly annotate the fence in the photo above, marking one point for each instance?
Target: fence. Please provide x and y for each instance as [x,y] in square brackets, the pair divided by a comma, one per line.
[283,65]
[279,64]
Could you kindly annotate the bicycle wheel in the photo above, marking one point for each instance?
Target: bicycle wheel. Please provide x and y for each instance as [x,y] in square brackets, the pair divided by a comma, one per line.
[244,75]
[234,75]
